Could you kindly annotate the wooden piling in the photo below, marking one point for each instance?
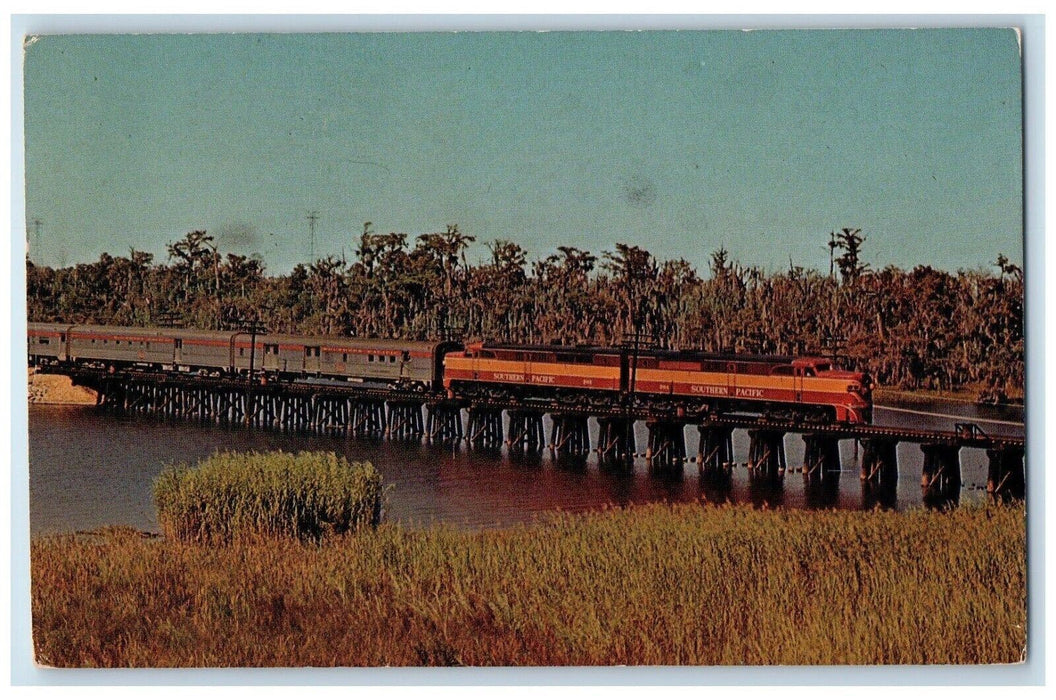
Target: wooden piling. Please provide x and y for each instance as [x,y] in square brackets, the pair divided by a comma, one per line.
[485,426]
[941,476]
[715,454]
[616,443]
[569,435]
[445,423]
[525,431]
[1005,480]
[766,454]
[821,457]
[667,446]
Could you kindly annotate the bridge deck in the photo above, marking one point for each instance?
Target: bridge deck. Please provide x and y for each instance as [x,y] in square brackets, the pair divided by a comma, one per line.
[965,434]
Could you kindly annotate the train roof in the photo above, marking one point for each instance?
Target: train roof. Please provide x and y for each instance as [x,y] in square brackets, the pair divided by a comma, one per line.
[349,342]
[132,330]
[52,327]
[191,333]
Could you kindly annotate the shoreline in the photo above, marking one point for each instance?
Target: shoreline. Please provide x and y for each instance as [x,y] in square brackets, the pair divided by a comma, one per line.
[56,390]
[962,396]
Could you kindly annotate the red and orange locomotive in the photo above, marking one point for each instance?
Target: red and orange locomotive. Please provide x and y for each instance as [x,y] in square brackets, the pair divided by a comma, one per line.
[804,388]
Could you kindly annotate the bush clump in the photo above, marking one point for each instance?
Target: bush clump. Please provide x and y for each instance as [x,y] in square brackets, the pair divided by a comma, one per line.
[237,495]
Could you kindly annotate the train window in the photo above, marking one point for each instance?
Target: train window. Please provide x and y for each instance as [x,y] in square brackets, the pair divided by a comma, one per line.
[824,367]
[344,357]
[44,341]
[808,371]
[62,337]
[370,358]
[241,352]
[406,356]
[178,343]
[392,359]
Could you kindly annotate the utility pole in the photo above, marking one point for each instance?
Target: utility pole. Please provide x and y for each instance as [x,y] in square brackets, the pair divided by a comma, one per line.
[253,327]
[37,226]
[313,216]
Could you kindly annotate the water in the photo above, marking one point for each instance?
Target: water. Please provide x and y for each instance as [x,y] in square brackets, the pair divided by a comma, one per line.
[88,470]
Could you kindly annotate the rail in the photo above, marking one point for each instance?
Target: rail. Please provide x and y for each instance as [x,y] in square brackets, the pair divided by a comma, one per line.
[964,434]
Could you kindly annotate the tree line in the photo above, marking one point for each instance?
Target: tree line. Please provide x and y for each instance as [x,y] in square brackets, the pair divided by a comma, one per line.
[917,329]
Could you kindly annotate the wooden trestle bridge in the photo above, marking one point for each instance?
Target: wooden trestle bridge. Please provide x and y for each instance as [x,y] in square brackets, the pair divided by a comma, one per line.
[375,411]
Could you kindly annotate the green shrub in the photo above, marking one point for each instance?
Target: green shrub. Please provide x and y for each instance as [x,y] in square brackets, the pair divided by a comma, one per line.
[233,495]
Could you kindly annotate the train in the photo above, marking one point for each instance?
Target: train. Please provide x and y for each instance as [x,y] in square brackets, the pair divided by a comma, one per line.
[392,363]
[802,388]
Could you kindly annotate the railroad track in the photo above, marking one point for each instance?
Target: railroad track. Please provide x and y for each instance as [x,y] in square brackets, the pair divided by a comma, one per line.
[965,434]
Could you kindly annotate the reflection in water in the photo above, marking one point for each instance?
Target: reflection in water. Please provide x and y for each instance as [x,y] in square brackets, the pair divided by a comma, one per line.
[942,499]
[716,486]
[822,492]
[766,492]
[879,494]
[88,470]
[525,459]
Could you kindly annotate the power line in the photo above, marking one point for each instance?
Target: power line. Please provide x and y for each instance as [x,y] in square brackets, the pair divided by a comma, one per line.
[313,216]
[38,227]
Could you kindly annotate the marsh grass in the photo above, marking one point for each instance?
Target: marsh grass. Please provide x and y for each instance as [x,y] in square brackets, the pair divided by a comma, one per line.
[680,584]
[237,495]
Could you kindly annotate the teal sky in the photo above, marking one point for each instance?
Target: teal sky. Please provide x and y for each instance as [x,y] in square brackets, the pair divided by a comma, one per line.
[679,142]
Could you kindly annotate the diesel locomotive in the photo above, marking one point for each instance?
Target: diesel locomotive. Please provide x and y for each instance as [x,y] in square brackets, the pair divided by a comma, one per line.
[802,388]
[807,388]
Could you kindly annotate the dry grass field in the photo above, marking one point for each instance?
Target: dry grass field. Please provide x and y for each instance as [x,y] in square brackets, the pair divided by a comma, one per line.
[681,584]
